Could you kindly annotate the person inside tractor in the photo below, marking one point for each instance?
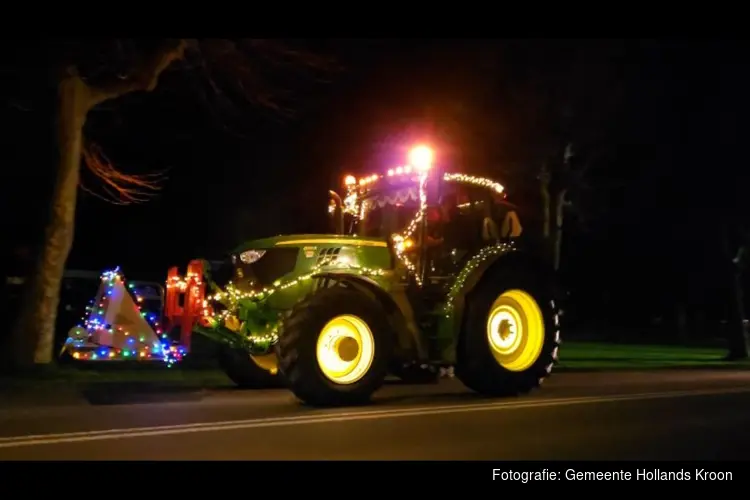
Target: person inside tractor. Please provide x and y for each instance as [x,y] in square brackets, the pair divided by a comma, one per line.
[449,235]
[439,220]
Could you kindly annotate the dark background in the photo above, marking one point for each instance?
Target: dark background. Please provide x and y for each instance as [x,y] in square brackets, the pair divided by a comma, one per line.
[646,237]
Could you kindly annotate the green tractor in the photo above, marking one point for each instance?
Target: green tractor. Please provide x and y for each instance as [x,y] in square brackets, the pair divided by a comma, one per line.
[424,276]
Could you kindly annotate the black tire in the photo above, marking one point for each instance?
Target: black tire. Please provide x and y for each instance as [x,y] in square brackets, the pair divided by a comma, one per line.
[476,366]
[243,371]
[298,340]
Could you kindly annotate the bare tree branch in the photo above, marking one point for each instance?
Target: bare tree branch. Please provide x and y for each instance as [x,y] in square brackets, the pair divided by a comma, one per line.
[146,76]
[120,188]
[280,54]
[225,60]
[17,105]
[244,66]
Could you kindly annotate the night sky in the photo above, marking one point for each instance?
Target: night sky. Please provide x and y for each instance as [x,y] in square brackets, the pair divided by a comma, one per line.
[666,119]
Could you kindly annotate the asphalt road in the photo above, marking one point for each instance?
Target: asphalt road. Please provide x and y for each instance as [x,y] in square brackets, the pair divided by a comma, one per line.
[657,415]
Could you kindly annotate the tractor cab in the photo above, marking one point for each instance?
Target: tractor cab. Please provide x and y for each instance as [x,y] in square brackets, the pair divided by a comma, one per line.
[435,220]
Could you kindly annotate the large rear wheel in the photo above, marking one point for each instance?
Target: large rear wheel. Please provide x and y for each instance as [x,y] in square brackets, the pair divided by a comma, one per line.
[511,335]
[334,348]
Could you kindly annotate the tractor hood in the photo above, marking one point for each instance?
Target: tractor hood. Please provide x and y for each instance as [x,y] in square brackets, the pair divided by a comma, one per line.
[305,240]
[260,263]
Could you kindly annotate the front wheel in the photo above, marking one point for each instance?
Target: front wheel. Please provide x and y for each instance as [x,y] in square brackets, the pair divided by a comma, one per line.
[511,335]
[244,372]
[334,348]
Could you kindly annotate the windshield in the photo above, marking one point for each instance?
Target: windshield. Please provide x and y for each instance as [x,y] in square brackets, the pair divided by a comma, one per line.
[384,212]
[384,221]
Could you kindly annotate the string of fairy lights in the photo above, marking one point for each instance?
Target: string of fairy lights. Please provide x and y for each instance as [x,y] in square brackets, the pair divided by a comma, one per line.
[231,298]
[84,341]
[191,281]
[475,262]
[355,204]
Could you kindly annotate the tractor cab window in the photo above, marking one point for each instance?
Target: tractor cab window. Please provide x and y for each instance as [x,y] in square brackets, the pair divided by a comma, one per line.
[465,220]
[388,213]
[382,222]
[499,218]
[505,216]
[453,230]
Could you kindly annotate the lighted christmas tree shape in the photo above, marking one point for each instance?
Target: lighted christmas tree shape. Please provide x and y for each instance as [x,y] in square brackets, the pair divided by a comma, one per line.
[115,325]
[128,328]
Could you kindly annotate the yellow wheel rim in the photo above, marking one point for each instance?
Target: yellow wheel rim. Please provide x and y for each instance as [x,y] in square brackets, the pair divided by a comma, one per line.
[515,330]
[345,349]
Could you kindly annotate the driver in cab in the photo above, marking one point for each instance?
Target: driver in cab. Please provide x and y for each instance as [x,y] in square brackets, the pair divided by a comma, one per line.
[448,233]
[439,227]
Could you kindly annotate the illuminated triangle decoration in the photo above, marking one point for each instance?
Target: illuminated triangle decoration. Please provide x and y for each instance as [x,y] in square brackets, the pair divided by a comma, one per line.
[116,328]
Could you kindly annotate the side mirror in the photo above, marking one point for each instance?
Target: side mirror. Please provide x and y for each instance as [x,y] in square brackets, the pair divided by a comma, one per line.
[336,210]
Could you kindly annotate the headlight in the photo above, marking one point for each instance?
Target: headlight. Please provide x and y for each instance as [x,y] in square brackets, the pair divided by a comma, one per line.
[250,256]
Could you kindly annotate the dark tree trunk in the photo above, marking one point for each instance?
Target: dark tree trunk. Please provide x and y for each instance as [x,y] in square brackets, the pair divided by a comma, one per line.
[737,335]
[559,219]
[34,332]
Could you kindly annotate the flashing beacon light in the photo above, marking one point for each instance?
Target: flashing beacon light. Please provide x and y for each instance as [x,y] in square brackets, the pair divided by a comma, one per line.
[349,180]
[421,157]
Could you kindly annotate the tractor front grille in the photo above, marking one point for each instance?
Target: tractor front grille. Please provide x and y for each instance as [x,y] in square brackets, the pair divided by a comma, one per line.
[328,256]
[274,264]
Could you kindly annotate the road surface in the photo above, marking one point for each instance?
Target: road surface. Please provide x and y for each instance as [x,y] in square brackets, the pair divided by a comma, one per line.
[658,415]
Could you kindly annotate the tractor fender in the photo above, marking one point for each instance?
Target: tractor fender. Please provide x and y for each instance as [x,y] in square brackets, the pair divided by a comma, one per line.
[397,308]
[477,270]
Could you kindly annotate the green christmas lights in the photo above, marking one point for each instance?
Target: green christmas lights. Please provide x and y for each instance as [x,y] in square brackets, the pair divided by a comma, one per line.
[475,262]
[247,320]
[474,181]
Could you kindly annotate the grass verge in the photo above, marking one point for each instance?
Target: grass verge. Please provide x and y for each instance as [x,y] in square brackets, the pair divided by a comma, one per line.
[591,356]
